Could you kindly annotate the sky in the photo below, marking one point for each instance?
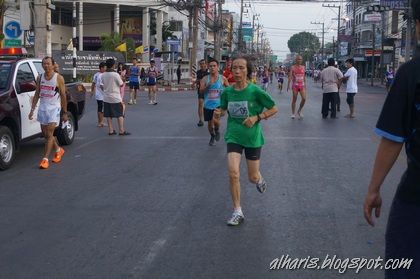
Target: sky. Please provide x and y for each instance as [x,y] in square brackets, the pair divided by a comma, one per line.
[283,19]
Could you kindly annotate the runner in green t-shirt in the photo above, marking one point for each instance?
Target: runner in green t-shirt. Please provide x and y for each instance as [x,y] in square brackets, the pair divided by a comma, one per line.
[245,103]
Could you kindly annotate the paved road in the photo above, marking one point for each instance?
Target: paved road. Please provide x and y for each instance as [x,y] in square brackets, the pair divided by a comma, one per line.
[154,204]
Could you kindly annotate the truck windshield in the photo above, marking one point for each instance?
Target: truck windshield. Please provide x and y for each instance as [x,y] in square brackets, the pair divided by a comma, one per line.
[5,69]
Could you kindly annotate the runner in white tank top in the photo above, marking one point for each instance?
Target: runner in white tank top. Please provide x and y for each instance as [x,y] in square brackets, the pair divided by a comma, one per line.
[51,93]
[49,101]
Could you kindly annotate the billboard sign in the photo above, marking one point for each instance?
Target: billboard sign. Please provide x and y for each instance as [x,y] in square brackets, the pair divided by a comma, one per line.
[87,61]
[395,4]
[373,17]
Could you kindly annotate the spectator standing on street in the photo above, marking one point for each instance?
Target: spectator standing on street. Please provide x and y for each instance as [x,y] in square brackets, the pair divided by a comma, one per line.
[99,94]
[351,78]
[399,124]
[202,72]
[51,93]
[122,72]
[245,103]
[142,80]
[330,82]
[212,87]
[113,107]
[152,73]
[179,73]
[133,82]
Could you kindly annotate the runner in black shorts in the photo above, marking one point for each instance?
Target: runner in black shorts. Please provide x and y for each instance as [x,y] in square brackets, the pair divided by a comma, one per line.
[244,132]
[202,72]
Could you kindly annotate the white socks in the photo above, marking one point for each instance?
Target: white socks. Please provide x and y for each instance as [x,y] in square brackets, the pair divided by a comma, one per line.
[238,211]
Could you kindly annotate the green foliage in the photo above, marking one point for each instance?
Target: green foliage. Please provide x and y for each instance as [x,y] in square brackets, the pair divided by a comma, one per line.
[110,41]
[329,48]
[167,32]
[304,43]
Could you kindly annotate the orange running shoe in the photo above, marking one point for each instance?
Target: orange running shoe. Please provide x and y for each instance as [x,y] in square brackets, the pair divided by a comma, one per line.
[44,164]
[58,155]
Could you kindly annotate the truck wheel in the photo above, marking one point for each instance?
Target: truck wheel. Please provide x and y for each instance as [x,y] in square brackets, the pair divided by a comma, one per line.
[7,148]
[66,136]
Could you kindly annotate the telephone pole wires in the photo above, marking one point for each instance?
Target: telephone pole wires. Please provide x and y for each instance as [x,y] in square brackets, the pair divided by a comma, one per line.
[323,35]
[338,26]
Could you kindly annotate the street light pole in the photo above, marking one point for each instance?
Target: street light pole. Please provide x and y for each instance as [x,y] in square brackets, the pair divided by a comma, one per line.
[323,33]
[373,53]
[338,26]
[240,28]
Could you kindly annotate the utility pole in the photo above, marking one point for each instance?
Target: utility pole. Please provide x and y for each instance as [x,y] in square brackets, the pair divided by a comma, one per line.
[258,38]
[218,32]
[323,35]
[42,24]
[373,53]
[353,29]
[240,28]
[408,32]
[338,26]
[382,72]
[193,62]
[254,17]
[74,56]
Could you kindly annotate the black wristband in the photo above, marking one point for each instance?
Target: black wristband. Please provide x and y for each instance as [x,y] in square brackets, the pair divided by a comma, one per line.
[258,117]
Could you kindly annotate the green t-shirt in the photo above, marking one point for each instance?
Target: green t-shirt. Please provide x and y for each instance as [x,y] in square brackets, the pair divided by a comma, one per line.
[240,104]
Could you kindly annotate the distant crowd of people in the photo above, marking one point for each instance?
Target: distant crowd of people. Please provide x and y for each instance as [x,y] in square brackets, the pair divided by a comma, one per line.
[108,86]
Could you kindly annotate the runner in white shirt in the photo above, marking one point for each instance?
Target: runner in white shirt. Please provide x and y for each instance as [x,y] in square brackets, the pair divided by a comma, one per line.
[99,95]
[51,93]
[113,106]
[351,77]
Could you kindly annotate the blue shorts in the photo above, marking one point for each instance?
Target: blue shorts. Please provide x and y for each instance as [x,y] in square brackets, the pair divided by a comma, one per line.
[151,81]
[134,85]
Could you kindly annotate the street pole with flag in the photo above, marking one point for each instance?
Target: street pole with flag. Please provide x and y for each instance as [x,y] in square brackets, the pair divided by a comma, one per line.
[122,48]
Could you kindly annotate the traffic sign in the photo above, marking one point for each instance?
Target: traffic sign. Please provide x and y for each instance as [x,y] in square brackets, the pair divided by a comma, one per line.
[12,30]
[12,43]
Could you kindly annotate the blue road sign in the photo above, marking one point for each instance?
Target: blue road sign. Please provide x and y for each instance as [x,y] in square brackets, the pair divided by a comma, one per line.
[12,29]
[394,4]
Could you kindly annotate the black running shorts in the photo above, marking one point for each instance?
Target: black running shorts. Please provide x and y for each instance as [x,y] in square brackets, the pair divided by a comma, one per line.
[252,154]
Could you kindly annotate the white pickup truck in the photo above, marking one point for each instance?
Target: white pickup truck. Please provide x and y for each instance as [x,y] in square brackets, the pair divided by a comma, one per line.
[17,88]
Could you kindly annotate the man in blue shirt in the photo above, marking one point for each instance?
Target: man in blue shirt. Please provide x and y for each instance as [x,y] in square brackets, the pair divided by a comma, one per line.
[212,87]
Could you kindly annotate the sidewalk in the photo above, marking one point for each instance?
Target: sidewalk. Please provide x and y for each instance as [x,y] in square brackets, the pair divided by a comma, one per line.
[185,85]
[376,83]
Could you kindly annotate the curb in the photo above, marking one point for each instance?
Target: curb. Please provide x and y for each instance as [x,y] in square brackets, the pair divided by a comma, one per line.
[159,89]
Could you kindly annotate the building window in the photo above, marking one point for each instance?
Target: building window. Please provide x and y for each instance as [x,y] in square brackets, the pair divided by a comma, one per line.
[175,25]
[61,16]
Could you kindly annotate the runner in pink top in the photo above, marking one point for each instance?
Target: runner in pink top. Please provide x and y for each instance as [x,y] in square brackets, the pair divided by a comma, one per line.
[298,80]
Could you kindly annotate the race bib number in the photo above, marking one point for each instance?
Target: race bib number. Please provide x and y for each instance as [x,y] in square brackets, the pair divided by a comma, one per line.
[238,109]
[214,94]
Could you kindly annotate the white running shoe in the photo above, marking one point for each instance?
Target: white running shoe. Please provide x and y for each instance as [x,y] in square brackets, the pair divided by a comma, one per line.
[292,116]
[300,115]
[236,219]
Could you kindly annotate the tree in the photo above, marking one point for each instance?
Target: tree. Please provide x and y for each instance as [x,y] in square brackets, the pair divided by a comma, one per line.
[329,48]
[167,32]
[304,43]
[110,41]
